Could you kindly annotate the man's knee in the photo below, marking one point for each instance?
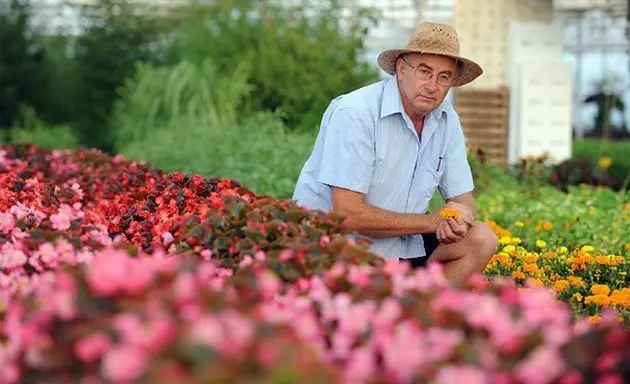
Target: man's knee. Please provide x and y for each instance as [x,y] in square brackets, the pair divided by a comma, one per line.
[483,238]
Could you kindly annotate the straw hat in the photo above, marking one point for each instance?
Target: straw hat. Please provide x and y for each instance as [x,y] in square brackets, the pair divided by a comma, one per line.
[433,39]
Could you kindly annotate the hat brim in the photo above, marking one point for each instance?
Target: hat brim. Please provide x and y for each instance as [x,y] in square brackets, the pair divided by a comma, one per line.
[468,69]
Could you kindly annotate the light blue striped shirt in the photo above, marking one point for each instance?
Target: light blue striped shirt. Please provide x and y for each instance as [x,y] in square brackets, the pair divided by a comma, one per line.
[367,143]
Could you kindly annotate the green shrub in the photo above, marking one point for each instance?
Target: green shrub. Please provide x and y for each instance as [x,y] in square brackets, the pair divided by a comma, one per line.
[617,151]
[256,151]
[32,130]
[300,60]
[161,97]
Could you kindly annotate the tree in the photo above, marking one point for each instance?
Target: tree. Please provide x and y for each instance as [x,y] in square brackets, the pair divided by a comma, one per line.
[116,38]
[23,72]
[607,100]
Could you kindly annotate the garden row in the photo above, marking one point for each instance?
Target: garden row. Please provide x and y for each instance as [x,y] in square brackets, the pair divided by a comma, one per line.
[111,271]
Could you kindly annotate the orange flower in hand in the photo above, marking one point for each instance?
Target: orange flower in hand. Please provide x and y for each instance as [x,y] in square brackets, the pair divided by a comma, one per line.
[449,212]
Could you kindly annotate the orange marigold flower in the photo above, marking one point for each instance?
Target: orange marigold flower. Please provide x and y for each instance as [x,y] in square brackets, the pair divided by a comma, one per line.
[601,300]
[576,281]
[602,260]
[531,258]
[561,285]
[531,268]
[449,213]
[600,289]
[621,298]
[594,320]
[518,275]
[548,226]
[578,296]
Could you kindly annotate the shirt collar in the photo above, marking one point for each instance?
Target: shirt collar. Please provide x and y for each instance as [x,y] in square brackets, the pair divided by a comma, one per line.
[392,103]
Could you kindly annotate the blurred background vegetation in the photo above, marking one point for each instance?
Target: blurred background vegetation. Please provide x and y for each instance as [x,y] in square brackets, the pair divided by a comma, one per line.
[234,90]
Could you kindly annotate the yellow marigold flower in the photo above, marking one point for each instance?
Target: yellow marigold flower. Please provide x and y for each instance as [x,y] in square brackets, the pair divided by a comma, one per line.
[577,296]
[604,162]
[627,246]
[576,281]
[587,248]
[564,249]
[541,244]
[519,224]
[548,226]
[561,285]
[509,248]
[505,240]
[600,289]
[594,320]
[601,300]
[516,240]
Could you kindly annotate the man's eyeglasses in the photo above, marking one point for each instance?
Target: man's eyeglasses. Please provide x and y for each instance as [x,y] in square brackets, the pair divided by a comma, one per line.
[424,74]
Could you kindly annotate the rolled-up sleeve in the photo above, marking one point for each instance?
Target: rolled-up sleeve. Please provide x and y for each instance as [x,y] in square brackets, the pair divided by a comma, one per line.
[348,151]
[457,178]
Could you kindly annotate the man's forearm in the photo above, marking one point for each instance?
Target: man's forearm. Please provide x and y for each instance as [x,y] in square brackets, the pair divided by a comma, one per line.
[374,222]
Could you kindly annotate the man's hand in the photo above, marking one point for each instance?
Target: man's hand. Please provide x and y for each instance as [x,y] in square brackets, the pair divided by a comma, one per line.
[464,212]
[452,230]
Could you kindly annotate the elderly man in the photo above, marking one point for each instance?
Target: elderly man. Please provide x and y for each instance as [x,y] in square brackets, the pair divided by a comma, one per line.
[382,151]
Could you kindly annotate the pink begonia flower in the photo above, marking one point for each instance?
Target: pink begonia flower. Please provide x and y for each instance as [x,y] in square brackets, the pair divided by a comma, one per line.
[260,256]
[544,365]
[460,374]
[440,344]
[64,298]
[6,222]
[61,220]
[167,238]
[207,330]
[401,355]
[206,254]
[92,347]
[360,366]
[359,275]
[48,254]
[10,372]
[306,326]
[285,255]
[246,262]
[184,288]
[107,272]
[240,330]
[12,258]
[159,334]
[129,327]
[139,277]
[268,283]
[124,363]
[389,312]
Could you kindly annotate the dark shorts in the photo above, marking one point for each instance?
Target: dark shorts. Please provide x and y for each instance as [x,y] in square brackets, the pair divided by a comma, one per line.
[430,244]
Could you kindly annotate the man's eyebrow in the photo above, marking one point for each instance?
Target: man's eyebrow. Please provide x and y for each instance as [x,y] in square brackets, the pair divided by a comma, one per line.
[422,64]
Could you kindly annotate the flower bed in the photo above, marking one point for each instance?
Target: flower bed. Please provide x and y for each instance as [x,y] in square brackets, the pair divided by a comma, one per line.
[112,272]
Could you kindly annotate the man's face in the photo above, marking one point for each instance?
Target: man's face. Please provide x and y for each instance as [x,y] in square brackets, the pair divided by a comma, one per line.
[424,80]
